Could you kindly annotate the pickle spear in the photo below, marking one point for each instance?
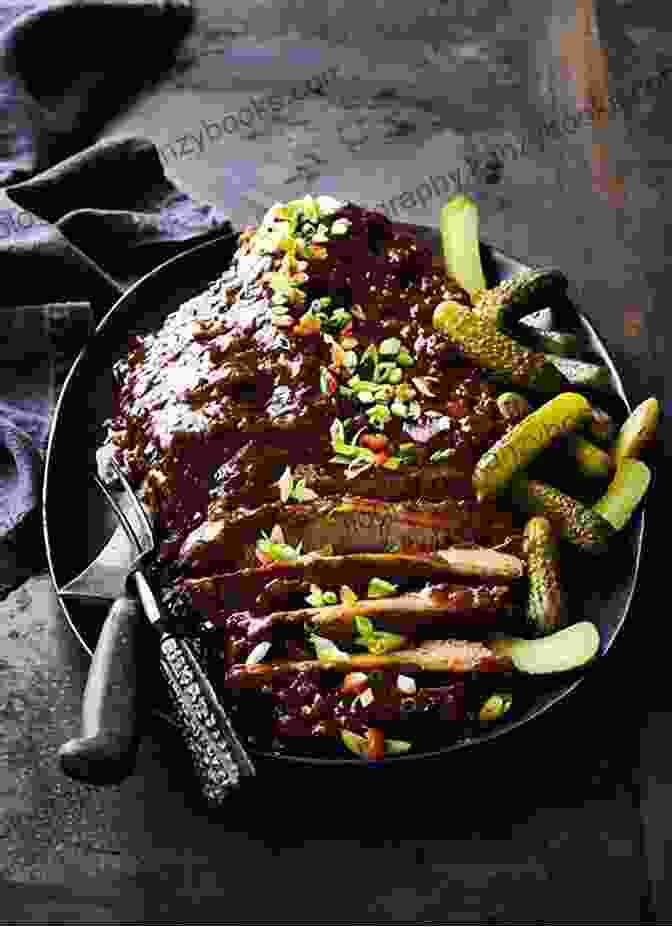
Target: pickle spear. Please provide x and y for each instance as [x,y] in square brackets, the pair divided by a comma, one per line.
[481,343]
[637,431]
[625,492]
[564,650]
[526,440]
[459,238]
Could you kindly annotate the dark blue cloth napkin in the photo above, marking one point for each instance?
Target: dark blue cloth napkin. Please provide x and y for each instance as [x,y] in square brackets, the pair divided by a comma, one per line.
[81,219]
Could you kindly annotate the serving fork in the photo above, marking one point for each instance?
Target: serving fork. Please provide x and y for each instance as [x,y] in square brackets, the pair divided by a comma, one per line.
[106,750]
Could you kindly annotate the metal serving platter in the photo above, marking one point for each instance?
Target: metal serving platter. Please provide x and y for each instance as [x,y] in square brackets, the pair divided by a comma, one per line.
[78,523]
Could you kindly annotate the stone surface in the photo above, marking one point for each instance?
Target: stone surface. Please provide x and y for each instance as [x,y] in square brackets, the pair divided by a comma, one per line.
[566,821]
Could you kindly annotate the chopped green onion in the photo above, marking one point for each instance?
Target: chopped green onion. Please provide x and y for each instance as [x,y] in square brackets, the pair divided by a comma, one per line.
[397,746]
[355,743]
[392,463]
[340,459]
[379,588]
[315,597]
[359,745]
[381,642]
[369,358]
[383,371]
[339,319]
[379,415]
[337,430]
[363,625]
[400,409]
[330,598]
[395,375]
[367,697]
[278,551]
[365,396]
[390,347]
[321,236]
[311,210]
[327,651]
[351,361]
[349,450]
[497,705]
[258,653]
[408,453]
[340,226]
[444,454]
[404,359]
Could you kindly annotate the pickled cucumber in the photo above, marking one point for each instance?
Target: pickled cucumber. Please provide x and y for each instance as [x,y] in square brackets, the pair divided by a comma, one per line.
[637,431]
[601,426]
[591,461]
[625,492]
[523,293]
[582,374]
[546,610]
[526,440]
[575,522]
[459,238]
[483,345]
[567,649]
[562,344]
[513,407]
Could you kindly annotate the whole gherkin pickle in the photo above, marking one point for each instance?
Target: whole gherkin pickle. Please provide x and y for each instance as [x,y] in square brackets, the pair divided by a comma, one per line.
[525,292]
[481,343]
[575,522]
[546,609]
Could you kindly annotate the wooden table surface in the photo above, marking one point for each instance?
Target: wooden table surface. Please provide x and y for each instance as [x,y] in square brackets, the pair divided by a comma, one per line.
[565,822]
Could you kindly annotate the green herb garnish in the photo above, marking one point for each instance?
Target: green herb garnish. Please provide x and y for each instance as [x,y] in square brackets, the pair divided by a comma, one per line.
[378,642]
[380,588]
[278,551]
[444,454]
[390,347]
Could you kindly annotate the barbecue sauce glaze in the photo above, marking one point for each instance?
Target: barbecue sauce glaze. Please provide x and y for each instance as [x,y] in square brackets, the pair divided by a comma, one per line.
[211,409]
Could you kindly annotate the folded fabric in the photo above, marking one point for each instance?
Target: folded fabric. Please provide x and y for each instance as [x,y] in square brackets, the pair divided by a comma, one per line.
[68,67]
[72,239]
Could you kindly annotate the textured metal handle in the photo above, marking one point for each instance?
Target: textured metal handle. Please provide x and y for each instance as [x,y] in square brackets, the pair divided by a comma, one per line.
[219,758]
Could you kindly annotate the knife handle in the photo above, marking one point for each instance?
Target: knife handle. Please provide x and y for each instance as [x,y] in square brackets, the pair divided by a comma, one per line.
[220,760]
[105,752]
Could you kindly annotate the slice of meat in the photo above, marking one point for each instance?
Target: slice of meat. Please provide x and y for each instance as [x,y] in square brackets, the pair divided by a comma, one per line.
[436,605]
[348,524]
[242,589]
[367,525]
[434,481]
[442,656]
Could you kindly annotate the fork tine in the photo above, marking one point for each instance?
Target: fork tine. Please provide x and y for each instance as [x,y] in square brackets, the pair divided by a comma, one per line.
[121,515]
[139,508]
